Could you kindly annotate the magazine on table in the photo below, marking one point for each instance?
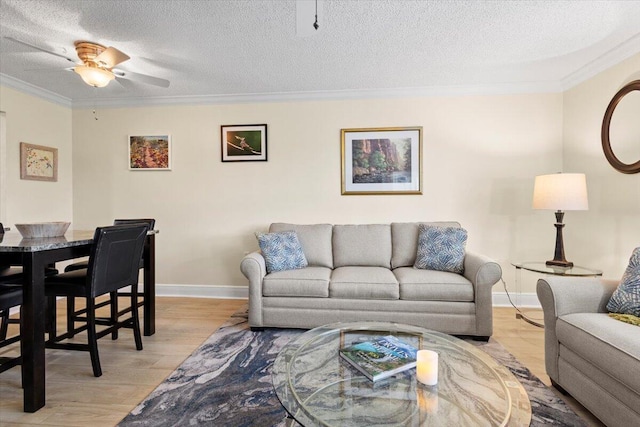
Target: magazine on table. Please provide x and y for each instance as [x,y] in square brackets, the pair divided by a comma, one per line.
[380,358]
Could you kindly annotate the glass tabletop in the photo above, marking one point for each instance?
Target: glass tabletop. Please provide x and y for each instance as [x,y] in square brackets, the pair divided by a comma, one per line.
[319,389]
[541,267]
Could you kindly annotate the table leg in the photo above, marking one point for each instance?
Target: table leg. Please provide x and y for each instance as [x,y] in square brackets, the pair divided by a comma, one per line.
[33,317]
[149,306]
[519,313]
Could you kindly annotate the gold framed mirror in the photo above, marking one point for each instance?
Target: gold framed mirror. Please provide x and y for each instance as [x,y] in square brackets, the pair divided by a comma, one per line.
[626,128]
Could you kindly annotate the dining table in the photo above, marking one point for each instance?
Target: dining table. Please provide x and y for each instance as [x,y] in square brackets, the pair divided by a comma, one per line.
[34,255]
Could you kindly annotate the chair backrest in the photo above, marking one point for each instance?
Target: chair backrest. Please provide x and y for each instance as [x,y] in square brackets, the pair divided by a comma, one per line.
[1,236]
[115,258]
[149,221]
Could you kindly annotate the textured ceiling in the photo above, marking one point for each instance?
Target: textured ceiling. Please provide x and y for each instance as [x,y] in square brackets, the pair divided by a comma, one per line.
[237,47]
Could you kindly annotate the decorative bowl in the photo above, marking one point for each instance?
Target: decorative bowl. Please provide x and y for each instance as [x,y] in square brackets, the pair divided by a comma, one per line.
[43,229]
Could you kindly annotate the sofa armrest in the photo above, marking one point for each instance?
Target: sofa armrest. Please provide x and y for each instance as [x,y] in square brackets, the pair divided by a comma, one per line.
[481,270]
[483,273]
[566,295]
[254,268]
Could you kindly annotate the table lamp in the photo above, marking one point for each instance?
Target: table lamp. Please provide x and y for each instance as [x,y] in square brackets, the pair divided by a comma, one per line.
[560,192]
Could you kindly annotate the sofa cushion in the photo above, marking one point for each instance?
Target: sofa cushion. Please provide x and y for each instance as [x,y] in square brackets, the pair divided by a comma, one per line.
[305,282]
[281,251]
[441,248]
[315,240]
[363,283]
[604,342]
[626,299]
[404,238]
[432,285]
[362,245]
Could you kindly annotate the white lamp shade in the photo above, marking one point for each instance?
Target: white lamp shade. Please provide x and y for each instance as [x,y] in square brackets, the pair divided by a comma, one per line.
[94,76]
[561,191]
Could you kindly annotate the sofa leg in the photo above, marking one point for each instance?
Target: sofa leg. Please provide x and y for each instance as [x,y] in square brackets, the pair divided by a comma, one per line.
[559,388]
[481,338]
[257,329]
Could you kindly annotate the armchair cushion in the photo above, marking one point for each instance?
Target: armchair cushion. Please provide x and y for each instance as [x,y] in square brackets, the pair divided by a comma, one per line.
[441,248]
[282,251]
[626,299]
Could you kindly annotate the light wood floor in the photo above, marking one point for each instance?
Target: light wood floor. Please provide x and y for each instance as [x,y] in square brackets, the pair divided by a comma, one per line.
[76,398]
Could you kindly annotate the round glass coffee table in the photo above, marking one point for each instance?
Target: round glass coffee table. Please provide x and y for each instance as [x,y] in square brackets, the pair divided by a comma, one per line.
[317,388]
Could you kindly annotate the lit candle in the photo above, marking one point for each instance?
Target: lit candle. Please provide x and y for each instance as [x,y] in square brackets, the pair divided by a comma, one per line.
[427,367]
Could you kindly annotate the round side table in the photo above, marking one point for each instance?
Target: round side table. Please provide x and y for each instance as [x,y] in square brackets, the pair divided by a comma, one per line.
[543,268]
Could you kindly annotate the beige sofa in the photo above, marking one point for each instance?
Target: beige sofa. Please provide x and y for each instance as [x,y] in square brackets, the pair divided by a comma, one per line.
[366,273]
[588,354]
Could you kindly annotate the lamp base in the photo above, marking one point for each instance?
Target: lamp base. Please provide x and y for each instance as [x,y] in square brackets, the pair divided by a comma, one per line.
[558,256]
[560,263]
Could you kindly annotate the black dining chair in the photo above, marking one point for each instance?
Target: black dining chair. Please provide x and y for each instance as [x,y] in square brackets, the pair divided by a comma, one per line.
[8,273]
[85,263]
[10,296]
[113,264]
[113,298]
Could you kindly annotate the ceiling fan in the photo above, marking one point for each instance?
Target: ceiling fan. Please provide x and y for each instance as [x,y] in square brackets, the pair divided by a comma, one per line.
[97,62]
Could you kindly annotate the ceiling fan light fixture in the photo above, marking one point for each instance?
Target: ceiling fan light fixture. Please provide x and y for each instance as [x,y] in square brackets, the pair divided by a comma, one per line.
[94,76]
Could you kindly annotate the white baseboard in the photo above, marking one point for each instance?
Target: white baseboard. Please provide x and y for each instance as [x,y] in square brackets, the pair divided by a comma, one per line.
[500,299]
[203,291]
[528,300]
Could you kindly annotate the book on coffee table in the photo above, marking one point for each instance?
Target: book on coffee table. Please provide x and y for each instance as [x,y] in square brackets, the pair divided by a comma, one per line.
[380,358]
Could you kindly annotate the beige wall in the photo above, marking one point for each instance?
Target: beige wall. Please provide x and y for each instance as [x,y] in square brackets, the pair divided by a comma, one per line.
[605,236]
[36,121]
[480,155]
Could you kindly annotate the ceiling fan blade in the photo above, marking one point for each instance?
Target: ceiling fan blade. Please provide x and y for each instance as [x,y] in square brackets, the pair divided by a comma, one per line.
[142,78]
[127,84]
[40,49]
[111,57]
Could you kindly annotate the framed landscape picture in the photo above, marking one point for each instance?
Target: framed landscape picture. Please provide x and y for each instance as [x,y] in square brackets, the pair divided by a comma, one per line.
[38,162]
[149,152]
[382,160]
[244,143]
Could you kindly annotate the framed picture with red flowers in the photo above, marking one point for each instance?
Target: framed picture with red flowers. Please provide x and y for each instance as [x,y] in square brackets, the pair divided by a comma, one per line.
[150,152]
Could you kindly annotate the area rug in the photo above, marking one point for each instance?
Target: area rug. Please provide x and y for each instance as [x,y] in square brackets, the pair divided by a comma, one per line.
[227,382]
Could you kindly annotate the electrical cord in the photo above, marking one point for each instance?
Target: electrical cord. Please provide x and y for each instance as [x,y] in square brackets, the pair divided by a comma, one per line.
[519,313]
[509,297]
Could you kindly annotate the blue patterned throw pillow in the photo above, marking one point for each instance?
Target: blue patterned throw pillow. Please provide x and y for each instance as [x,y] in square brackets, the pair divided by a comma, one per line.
[441,248]
[626,299]
[281,251]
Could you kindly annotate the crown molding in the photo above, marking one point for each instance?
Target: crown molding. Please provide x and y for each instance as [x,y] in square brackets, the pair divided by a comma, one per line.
[459,90]
[34,90]
[607,60]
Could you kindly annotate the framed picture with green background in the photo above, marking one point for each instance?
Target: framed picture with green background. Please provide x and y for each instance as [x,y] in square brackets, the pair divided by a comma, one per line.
[244,143]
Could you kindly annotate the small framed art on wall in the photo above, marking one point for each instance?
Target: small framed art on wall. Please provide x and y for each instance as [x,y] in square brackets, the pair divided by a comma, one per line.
[38,162]
[243,143]
[150,152]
